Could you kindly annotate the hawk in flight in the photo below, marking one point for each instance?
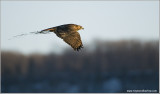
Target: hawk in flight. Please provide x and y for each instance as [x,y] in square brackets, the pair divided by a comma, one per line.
[68,32]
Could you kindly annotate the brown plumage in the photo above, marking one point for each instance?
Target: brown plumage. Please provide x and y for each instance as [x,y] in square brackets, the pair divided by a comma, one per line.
[68,32]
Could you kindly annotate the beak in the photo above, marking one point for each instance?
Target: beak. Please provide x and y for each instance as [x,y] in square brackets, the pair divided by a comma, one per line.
[82,28]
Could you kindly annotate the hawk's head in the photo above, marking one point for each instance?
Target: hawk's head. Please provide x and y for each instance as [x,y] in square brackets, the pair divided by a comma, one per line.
[78,27]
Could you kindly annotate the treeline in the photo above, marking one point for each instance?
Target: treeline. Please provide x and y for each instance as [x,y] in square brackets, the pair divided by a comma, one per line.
[114,58]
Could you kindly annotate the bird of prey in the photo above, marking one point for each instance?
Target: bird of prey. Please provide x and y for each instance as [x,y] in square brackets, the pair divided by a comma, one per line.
[68,32]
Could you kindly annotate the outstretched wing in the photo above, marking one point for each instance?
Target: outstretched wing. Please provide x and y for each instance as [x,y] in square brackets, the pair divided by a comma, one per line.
[74,40]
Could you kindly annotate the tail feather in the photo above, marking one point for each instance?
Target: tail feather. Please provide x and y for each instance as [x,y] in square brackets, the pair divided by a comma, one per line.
[48,30]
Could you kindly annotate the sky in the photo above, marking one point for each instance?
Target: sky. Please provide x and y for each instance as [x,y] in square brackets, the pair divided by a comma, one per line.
[103,20]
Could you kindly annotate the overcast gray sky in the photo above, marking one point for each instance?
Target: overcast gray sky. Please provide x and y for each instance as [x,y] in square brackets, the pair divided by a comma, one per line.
[105,20]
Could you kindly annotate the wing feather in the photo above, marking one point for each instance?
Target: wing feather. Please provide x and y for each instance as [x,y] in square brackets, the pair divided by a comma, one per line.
[74,40]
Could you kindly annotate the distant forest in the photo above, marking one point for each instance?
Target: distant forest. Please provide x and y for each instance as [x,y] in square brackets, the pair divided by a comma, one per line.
[134,63]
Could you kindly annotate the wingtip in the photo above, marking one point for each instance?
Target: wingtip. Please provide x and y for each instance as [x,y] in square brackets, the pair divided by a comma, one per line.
[79,48]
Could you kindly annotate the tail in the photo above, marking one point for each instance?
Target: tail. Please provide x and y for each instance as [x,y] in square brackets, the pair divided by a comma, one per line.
[49,29]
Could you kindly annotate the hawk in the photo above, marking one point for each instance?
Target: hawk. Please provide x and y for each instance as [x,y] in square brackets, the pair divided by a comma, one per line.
[68,32]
